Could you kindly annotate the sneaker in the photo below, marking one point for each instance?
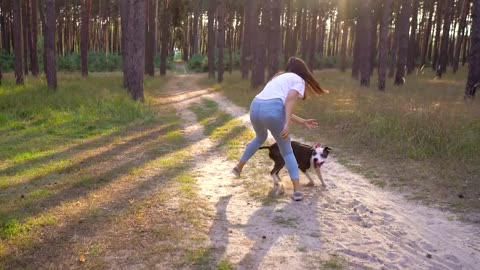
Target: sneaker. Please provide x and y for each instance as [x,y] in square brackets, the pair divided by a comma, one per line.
[297,196]
[236,172]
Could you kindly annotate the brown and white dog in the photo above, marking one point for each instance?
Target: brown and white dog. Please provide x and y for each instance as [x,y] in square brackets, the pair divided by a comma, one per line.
[306,156]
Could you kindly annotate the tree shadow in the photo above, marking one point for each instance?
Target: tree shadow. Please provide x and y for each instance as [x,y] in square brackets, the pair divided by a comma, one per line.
[266,227]
[55,247]
[287,221]
[87,175]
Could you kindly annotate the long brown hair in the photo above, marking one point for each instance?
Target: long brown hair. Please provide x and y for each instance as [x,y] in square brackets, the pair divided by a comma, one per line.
[297,66]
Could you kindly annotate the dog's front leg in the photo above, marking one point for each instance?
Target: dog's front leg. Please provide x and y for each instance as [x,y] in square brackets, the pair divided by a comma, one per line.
[277,189]
[311,183]
[319,174]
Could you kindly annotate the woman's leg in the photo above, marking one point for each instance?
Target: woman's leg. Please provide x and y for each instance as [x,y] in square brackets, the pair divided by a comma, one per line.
[261,134]
[275,125]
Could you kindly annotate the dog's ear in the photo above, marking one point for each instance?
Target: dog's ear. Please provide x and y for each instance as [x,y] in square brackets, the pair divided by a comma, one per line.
[317,145]
[328,149]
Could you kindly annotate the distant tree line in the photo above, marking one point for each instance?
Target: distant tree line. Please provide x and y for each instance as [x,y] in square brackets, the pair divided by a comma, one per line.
[393,37]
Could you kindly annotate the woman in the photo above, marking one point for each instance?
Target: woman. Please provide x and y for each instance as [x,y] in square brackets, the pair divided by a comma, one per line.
[272,109]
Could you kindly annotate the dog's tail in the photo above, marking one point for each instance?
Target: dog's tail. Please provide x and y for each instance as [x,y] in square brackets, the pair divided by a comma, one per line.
[264,147]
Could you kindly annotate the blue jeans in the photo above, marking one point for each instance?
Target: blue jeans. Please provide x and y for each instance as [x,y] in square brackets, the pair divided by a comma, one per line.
[270,115]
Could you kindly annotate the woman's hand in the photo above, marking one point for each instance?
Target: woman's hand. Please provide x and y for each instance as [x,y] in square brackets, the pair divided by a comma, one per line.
[285,132]
[310,123]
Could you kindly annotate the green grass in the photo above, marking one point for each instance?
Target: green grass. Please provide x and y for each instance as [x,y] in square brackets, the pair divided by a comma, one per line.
[34,119]
[43,134]
[423,130]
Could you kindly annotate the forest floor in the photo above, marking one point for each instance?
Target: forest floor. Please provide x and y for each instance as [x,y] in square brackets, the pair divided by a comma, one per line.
[349,224]
[160,195]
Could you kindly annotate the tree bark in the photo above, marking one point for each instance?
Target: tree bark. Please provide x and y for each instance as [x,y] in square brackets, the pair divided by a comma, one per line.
[221,38]
[288,33]
[427,32]
[343,50]
[195,28]
[275,40]
[165,37]
[248,34]
[356,51]
[136,39]
[49,36]
[365,27]
[84,40]
[296,31]
[442,67]
[473,81]
[259,48]
[25,32]
[150,37]
[438,17]
[304,45]
[403,42]
[313,36]
[211,38]
[412,46]
[33,44]
[17,40]
[460,35]
[124,6]
[41,11]
[383,44]
[396,38]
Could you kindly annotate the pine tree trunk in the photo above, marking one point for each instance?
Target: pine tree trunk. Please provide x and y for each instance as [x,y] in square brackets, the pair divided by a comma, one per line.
[396,38]
[304,45]
[460,36]
[221,38]
[465,47]
[403,42]
[343,50]
[473,81]
[365,26]
[41,11]
[383,44]
[259,47]
[377,9]
[288,33]
[33,44]
[412,46]
[296,32]
[427,32]
[3,30]
[124,6]
[150,37]
[248,37]
[438,26]
[25,31]
[165,37]
[84,41]
[136,39]
[212,5]
[443,58]
[275,40]
[49,36]
[230,39]
[313,37]
[17,40]
[356,51]
[195,28]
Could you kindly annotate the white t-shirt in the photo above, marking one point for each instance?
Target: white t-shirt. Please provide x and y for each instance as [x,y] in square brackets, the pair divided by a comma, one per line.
[279,86]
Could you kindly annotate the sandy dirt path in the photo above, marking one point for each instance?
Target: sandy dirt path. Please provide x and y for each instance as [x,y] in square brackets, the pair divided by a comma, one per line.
[352,221]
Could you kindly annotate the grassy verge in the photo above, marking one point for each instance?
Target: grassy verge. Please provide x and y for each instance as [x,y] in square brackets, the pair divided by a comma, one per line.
[421,138]
[87,175]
